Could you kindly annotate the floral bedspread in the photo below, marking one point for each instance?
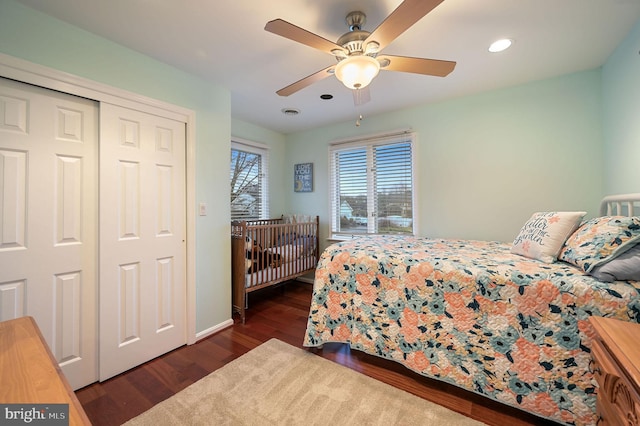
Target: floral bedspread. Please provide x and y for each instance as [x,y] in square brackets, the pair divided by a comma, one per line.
[472,314]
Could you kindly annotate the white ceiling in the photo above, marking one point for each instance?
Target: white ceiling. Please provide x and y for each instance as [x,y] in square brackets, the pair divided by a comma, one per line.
[224,41]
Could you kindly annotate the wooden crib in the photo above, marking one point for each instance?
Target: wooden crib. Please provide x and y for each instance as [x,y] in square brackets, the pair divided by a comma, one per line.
[266,252]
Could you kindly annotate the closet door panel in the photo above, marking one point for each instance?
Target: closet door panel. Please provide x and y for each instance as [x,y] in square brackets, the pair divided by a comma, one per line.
[48,220]
[142,237]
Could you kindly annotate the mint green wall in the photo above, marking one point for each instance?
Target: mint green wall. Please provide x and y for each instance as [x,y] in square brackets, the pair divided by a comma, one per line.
[485,163]
[277,149]
[30,35]
[621,119]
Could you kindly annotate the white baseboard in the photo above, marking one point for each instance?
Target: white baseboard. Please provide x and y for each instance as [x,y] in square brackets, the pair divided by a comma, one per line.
[228,323]
[212,330]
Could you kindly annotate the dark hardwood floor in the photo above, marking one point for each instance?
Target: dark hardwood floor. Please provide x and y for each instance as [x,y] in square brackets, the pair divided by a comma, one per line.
[281,313]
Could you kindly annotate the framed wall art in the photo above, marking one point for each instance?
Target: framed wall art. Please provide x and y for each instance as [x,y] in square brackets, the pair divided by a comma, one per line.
[303,177]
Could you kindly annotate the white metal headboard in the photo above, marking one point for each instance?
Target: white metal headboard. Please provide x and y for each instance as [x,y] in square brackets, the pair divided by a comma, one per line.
[620,205]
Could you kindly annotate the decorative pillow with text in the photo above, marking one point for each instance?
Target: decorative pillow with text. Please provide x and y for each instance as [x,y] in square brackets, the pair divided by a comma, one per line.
[544,234]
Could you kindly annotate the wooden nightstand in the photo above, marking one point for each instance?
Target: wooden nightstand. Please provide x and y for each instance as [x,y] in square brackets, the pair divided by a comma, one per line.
[616,358]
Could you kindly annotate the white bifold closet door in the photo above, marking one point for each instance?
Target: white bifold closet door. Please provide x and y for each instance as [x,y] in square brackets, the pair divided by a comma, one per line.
[48,220]
[142,237]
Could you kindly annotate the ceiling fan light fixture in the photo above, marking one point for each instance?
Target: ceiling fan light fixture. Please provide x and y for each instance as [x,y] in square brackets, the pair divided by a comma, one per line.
[372,48]
[338,53]
[356,72]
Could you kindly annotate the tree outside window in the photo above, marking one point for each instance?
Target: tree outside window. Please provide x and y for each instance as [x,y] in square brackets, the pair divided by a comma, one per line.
[248,183]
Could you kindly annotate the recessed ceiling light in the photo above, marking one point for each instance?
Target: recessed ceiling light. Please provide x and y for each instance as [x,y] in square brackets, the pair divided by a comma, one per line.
[290,111]
[326,96]
[500,45]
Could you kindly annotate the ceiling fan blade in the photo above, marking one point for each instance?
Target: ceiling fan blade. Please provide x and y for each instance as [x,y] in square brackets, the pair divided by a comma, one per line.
[424,66]
[408,13]
[292,32]
[307,81]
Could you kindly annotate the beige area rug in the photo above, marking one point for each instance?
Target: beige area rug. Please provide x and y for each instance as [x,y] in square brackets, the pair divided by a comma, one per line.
[278,384]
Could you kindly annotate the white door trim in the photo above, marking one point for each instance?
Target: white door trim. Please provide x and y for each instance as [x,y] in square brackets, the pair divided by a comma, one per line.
[29,72]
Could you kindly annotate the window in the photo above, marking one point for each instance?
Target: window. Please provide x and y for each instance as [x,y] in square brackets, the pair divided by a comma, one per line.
[372,185]
[248,175]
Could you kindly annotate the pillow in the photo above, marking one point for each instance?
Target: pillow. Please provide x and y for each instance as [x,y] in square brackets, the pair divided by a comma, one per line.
[297,218]
[624,267]
[600,240]
[544,234]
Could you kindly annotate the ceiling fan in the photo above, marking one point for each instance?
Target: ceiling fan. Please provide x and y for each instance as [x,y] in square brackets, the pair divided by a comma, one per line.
[357,51]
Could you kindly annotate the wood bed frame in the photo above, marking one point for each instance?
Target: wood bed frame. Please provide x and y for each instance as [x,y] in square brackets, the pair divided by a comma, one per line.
[278,251]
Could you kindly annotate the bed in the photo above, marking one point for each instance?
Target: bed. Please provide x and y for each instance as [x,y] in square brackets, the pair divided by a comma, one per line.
[485,316]
[267,252]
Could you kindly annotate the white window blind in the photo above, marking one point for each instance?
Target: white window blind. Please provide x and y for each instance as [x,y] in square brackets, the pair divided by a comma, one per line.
[372,185]
[248,176]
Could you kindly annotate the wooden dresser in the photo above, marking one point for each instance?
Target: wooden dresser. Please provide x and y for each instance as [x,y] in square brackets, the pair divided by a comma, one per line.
[616,358]
[28,372]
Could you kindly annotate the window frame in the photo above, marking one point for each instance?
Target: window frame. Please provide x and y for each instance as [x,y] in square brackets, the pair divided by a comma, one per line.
[368,143]
[256,148]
